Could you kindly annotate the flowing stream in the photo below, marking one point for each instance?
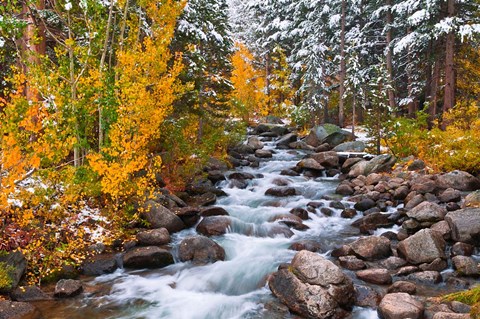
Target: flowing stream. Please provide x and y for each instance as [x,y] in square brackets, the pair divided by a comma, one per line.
[236,287]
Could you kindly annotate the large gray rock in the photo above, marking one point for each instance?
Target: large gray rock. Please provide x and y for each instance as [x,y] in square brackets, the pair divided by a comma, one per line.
[371,248]
[154,237]
[287,139]
[283,191]
[255,143]
[357,169]
[214,225]
[472,200]
[465,266]
[147,257]
[427,212]
[66,288]
[14,264]
[423,247]
[29,293]
[18,310]
[378,276]
[310,163]
[100,265]
[400,305]
[327,159]
[355,146]
[379,164]
[465,225]
[336,138]
[313,287]
[160,217]
[200,250]
[460,180]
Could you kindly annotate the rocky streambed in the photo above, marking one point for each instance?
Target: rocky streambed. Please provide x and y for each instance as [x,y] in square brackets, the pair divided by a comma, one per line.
[307,227]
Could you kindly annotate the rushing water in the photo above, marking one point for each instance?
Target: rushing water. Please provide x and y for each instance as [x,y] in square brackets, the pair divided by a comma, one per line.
[234,288]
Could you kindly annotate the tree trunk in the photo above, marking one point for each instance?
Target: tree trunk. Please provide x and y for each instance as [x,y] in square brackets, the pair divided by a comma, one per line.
[389,57]
[343,71]
[449,97]
[267,79]
[433,101]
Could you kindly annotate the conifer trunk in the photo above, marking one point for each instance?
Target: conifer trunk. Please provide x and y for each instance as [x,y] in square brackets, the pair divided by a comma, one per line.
[449,96]
[343,71]
[389,57]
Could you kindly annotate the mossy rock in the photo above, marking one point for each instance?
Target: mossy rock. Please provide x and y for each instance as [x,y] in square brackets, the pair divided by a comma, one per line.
[12,269]
[6,277]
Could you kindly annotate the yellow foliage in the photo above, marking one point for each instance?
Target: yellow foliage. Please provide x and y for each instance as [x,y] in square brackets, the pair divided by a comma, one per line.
[248,95]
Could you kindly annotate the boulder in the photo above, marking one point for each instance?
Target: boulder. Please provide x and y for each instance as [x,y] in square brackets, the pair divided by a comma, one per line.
[327,159]
[287,139]
[366,297]
[100,265]
[281,191]
[313,287]
[357,169]
[153,237]
[147,257]
[371,248]
[255,143]
[189,215]
[160,217]
[214,225]
[416,165]
[300,212]
[427,212]
[472,200]
[443,228]
[462,249]
[372,222]
[465,266]
[204,199]
[423,247]
[14,265]
[312,139]
[200,250]
[451,315]
[241,175]
[378,276]
[264,153]
[335,138]
[348,213]
[379,164]
[306,244]
[450,195]
[344,189]
[429,277]
[66,288]
[400,305]
[310,163]
[403,286]
[321,132]
[355,146]
[459,180]
[393,263]
[364,204]
[213,211]
[28,294]
[351,263]
[18,310]
[465,225]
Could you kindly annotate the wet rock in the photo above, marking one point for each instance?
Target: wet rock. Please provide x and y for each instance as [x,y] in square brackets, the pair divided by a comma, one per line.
[472,200]
[100,265]
[366,297]
[264,153]
[289,172]
[343,250]
[372,222]
[255,143]
[426,277]
[465,266]
[355,146]
[299,212]
[336,204]
[371,248]
[458,283]
[465,225]
[378,276]
[437,265]
[344,189]
[153,237]
[400,305]
[160,217]
[310,163]
[460,307]
[323,148]
[279,230]
[351,263]
[214,225]
[459,180]
[290,221]
[427,212]
[213,211]
[422,247]
[309,245]
[327,211]
[16,264]
[450,195]
[18,310]
[327,159]
[147,257]
[403,286]
[216,176]
[281,191]
[200,250]
[67,288]
[28,294]
[393,263]
[287,139]
[335,138]
[364,204]
[462,249]
[241,175]
[406,270]
[315,288]
[443,228]
[348,213]
[238,183]
[189,215]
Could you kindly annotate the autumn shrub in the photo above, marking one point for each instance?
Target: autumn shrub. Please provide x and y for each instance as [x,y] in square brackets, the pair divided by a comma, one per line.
[456,147]
[6,276]
[470,297]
